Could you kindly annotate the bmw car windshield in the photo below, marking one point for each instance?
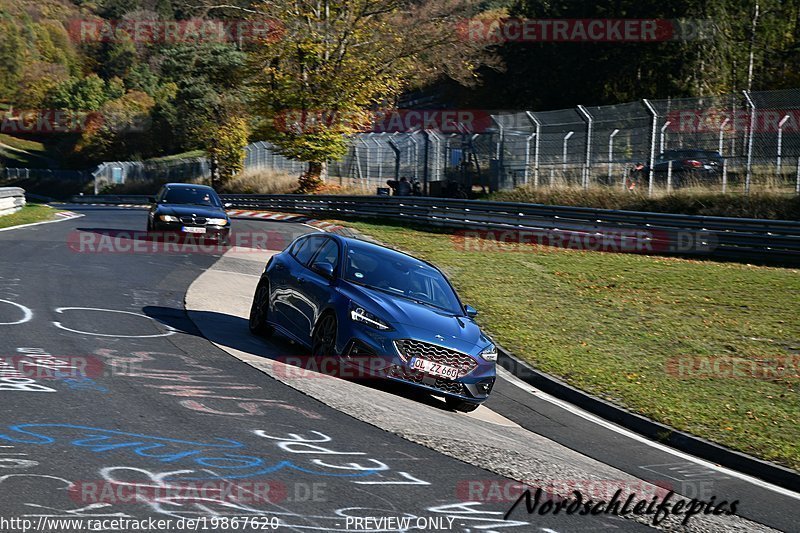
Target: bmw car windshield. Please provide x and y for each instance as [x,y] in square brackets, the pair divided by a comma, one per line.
[398,275]
[191,196]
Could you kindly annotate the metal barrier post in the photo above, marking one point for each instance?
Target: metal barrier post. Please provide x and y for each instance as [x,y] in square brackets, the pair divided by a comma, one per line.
[611,155]
[750,131]
[537,133]
[564,152]
[780,139]
[587,162]
[652,158]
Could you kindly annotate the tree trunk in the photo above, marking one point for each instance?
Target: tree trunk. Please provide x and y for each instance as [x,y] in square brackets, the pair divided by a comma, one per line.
[318,170]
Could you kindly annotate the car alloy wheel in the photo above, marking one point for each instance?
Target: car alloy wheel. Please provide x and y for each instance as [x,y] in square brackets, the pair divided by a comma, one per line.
[324,340]
[258,312]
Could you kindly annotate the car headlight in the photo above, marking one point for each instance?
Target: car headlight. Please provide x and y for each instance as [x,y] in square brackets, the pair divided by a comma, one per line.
[168,218]
[359,314]
[489,353]
[217,221]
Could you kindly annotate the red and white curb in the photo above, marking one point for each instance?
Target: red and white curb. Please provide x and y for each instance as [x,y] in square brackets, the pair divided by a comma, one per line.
[286,217]
[67,214]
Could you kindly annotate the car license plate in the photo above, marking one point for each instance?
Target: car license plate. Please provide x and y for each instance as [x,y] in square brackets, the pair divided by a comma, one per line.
[190,229]
[435,369]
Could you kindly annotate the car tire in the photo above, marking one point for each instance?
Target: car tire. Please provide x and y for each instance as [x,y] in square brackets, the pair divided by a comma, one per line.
[323,341]
[257,321]
[460,405]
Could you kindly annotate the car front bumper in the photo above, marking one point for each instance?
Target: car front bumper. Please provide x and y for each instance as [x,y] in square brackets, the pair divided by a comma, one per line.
[376,353]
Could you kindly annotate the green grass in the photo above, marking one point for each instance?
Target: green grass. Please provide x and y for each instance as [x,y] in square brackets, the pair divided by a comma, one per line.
[759,204]
[27,215]
[182,155]
[610,324]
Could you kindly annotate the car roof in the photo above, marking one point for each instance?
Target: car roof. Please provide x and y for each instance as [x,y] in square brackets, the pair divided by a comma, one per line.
[360,243]
[186,186]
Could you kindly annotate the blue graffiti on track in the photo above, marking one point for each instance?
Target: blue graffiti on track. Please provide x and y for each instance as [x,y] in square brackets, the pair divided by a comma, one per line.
[236,466]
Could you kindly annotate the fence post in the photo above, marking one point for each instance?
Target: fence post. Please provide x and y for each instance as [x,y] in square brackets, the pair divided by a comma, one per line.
[611,154]
[587,162]
[537,133]
[724,175]
[564,152]
[396,150]
[780,139]
[425,168]
[722,134]
[797,185]
[416,154]
[527,158]
[661,141]
[652,158]
[750,130]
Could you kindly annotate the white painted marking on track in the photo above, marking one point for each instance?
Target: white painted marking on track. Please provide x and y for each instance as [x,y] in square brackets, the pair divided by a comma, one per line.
[27,314]
[40,223]
[170,331]
[511,378]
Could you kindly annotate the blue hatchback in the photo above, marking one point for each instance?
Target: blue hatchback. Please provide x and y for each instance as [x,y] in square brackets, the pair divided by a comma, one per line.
[372,307]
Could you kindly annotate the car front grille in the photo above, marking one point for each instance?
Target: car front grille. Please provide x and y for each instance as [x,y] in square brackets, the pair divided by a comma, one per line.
[410,348]
[197,221]
[445,385]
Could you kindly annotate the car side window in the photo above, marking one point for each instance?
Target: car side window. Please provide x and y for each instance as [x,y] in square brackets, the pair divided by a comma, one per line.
[329,253]
[308,249]
[296,245]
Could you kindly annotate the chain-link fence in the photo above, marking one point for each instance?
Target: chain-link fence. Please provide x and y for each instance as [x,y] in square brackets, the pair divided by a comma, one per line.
[736,143]
[733,143]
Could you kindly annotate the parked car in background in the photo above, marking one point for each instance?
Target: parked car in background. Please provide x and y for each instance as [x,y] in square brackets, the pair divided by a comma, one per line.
[189,209]
[687,163]
[360,304]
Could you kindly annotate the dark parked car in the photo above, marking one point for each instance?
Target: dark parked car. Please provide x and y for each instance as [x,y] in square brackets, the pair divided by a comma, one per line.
[684,163]
[189,209]
[361,303]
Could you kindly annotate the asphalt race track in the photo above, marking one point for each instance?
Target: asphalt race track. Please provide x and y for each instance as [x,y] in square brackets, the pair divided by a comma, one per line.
[160,422]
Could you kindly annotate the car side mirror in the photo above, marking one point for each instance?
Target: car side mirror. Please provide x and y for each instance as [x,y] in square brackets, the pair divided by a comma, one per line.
[226,205]
[323,268]
[471,311]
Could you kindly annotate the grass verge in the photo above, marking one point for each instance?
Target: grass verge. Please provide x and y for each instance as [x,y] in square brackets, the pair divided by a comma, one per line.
[27,215]
[769,205]
[655,335]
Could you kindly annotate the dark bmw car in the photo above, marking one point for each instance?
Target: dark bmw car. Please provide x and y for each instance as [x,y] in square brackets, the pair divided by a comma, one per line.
[685,162]
[188,209]
[363,303]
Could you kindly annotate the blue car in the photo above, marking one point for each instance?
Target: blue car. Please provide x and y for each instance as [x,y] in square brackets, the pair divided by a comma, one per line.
[372,307]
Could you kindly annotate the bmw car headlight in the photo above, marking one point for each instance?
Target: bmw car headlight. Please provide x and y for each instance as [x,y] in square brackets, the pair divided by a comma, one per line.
[359,314]
[489,353]
[168,218]
[217,221]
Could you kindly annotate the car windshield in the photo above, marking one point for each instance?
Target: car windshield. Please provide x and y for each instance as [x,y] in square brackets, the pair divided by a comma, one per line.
[401,276]
[191,196]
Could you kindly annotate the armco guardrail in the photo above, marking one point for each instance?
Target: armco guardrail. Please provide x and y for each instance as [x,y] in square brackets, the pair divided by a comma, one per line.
[11,199]
[575,227]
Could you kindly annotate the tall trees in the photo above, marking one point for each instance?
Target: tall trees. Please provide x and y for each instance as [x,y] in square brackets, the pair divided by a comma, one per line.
[336,60]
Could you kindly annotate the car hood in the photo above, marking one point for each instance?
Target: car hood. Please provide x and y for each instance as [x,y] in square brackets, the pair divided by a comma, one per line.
[181,210]
[417,317]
